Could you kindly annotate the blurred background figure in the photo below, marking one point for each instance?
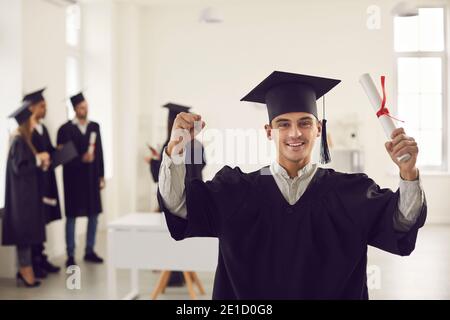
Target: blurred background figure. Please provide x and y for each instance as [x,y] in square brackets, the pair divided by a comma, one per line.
[83,178]
[24,221]
[47,180]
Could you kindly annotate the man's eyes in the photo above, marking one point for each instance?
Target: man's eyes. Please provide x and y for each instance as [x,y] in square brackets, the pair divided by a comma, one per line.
[305,124]
[301,124]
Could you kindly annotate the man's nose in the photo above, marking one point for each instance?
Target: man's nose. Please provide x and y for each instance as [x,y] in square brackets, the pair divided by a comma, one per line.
[295,132]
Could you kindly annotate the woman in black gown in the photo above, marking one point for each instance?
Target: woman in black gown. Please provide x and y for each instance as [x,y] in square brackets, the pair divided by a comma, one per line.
[24,222]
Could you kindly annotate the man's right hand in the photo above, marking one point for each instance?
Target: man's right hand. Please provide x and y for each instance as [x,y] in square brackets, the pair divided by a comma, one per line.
[88,157]
[184,123]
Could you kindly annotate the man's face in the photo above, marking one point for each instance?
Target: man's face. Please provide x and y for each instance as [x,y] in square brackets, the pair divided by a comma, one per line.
[294,135]
[81,110]
[39,109]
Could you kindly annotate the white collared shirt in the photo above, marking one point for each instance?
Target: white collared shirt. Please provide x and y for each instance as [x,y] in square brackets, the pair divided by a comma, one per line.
[39,128]
[293,188]
[82,127]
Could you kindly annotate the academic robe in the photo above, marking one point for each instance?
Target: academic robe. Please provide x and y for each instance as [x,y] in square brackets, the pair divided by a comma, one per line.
[82,180]
[193,169]
[314,249]
[47,179]
[23,221]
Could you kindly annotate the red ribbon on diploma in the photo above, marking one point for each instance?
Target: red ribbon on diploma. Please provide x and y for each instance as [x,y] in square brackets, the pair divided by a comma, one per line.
[383,110]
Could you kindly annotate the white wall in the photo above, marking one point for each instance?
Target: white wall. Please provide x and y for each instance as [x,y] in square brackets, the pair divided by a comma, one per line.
[127,94]
[44,65]
[10,65]
[98,80]
[112,78]
[212,66]
[10,94]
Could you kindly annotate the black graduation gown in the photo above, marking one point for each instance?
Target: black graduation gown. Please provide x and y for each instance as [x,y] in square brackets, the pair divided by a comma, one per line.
[193,169]
[82,180]
[47,179]
[23,221]
[314,249]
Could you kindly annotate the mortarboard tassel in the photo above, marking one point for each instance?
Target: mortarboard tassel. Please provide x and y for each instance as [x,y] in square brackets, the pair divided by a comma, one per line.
[324,151]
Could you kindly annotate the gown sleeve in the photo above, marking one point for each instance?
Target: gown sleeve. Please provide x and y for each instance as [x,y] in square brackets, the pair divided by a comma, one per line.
[375,208]
[23,161]
[208,204]
[99,154]
[154,169]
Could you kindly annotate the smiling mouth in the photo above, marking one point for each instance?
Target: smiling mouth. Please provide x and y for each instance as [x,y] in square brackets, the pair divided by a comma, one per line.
[295,145]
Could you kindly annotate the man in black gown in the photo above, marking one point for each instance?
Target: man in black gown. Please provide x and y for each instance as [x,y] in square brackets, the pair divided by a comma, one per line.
[47,180]
[293,230]
[83,177]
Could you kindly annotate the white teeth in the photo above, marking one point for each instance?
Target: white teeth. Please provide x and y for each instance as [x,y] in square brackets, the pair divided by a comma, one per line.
[296,144]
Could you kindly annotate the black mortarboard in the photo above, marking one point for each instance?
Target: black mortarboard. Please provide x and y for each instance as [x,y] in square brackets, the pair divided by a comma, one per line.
[23,113]
[285,92]
[76,99]
[34,97]
[173,107]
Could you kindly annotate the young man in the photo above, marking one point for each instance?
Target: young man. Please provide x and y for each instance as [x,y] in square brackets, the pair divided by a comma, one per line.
[83,178]
[293,230]
[47,180]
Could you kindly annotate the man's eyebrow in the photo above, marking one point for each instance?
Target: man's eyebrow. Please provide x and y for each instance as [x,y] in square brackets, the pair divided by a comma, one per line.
[282,119]
[303,118]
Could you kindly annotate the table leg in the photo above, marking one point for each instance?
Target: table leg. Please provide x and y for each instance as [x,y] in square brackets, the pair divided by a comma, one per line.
[189,285]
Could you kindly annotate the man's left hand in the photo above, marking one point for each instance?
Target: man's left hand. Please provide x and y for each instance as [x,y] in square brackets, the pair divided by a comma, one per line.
[402,144]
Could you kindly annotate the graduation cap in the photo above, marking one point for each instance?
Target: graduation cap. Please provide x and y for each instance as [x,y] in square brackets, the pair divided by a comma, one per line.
[285,92]
[23,113]
[34,97]
[76,99]
[175,109]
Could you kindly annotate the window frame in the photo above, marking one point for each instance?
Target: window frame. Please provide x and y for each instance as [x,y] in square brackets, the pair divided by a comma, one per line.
[444,167]
[76,53]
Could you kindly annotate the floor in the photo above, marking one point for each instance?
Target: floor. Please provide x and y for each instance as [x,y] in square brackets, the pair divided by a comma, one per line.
[423,275]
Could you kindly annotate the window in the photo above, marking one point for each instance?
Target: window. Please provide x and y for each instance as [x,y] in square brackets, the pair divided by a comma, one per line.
[73,58]
[420,49]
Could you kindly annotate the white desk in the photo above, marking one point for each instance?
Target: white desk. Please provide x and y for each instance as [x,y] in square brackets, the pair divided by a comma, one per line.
[142,241]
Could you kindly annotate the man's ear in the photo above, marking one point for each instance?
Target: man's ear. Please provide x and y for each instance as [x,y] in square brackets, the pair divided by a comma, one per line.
[268,129]
[319,128]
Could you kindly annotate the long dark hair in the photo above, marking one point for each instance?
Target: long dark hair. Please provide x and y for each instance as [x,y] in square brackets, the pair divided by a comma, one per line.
[25,131]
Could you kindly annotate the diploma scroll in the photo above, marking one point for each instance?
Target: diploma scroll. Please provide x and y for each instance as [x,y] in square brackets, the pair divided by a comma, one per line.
[385,119]
[92,139]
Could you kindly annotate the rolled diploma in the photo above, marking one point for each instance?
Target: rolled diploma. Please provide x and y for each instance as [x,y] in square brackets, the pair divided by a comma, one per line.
[92,139]
[374,97]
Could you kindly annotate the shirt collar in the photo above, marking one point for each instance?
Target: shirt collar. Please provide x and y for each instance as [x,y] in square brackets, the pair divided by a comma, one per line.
[39,128]
[279,170]
[77,122]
